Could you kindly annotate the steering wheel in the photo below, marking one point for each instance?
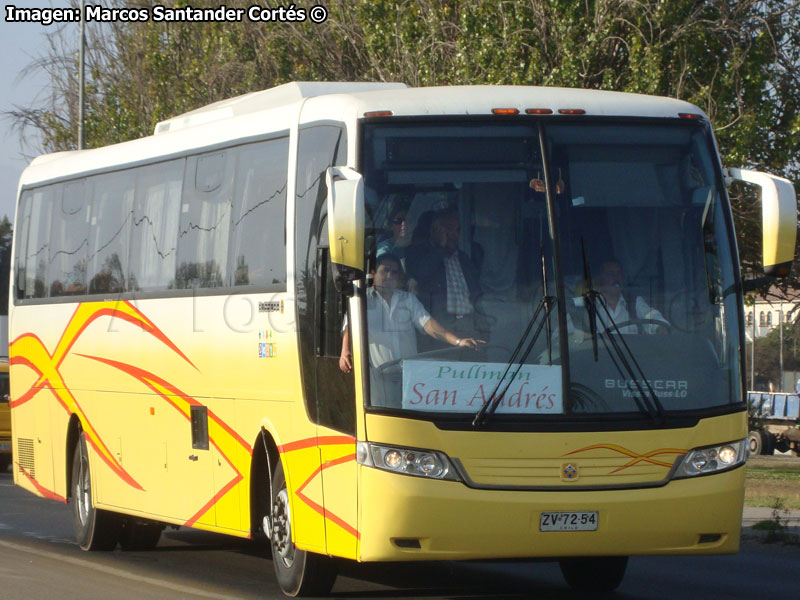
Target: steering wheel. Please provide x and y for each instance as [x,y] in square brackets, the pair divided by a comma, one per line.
[640,324]
[583,398]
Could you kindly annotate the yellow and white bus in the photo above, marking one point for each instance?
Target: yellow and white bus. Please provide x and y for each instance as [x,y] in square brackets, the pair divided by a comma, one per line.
[179,303]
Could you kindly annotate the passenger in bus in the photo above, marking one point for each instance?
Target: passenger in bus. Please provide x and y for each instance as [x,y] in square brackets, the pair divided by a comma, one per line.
[445,279]
[398,240]
[393,317]
[610,283]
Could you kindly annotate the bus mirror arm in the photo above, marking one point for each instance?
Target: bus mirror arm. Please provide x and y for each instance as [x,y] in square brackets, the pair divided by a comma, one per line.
[778,218]
[343,278]
[757,283]
[345,205]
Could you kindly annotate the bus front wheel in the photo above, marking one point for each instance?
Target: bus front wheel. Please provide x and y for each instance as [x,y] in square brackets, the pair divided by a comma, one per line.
[95,529]
[299,573]
[598,574]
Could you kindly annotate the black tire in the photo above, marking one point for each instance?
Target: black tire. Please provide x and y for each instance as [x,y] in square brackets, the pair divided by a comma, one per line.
[139,534]
[5,461]
[755,443]
[767,443]
[299,573]
[95,529]
[597,574]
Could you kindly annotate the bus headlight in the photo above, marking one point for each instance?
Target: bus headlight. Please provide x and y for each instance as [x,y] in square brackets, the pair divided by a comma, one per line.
[408,461]
[703,461]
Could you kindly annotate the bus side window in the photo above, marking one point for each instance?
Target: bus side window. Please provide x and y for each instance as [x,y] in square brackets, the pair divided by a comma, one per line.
[69,236]
[329,393]
[33,242]
[257,255]
[206,205]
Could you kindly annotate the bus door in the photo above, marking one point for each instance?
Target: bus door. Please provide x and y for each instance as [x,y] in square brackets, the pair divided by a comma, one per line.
[336,411]
[328,393]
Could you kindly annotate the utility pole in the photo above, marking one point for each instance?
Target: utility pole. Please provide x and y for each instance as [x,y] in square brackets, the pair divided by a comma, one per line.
[780,334]
[753,353]
[81,83]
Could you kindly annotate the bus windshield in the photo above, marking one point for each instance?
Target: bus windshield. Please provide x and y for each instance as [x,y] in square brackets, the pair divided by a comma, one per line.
[578,270]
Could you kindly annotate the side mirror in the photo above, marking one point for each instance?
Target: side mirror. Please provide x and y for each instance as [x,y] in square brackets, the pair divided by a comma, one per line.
[778,219]
[345,225]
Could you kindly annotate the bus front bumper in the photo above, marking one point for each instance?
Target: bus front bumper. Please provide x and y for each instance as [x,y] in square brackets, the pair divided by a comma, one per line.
[411,518]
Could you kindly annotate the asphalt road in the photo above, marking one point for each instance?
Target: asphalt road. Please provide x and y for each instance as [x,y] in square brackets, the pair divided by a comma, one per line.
[38,559]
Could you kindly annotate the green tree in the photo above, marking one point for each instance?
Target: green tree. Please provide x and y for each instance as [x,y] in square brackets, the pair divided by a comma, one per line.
[6,231]
[768,352]
[739,60]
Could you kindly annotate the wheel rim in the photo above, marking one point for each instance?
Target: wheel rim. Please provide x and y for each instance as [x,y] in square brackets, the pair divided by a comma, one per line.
[83,491]
[281,528]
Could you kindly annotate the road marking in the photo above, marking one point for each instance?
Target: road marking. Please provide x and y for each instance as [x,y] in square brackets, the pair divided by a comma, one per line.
[115,572]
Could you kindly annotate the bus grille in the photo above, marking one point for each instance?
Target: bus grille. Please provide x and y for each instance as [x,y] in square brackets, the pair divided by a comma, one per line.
[25,456]
[599,469]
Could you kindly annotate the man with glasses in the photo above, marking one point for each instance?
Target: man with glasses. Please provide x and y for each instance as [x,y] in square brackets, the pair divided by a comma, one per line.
[397,243]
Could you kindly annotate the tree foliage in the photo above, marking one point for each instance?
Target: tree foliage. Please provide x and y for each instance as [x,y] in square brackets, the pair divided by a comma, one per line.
[739,60]
[5,262]
[768,356]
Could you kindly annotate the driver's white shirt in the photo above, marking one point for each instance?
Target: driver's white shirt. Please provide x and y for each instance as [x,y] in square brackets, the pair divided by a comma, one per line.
[391,327]
[620,314]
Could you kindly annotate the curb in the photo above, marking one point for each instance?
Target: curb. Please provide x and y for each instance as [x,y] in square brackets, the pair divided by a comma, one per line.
[789,518]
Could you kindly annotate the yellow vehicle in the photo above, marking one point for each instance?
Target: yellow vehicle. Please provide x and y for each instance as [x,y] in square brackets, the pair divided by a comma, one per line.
[178,308]
[5,418]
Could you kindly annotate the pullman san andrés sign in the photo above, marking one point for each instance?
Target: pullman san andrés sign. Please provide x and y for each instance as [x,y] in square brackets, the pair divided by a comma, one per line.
[446,386]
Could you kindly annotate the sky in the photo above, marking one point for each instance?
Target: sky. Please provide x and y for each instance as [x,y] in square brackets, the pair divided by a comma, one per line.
[20,43]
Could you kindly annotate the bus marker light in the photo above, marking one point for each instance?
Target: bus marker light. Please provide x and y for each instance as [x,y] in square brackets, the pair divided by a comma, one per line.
[571,111]
[538,111]
[692,116]
[378,113]
[505,111]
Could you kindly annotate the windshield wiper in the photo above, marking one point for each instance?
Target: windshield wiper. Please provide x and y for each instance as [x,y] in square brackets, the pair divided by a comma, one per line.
[654,407]
[546,303]
[649,404]
[590,298]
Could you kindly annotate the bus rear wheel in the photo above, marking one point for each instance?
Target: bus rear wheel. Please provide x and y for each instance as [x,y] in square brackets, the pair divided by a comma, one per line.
[299,573]
[139,534]
[597,574]
[95,529]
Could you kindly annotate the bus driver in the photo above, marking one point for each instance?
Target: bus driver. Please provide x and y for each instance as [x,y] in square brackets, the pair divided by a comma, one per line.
[610,284]
[392,317]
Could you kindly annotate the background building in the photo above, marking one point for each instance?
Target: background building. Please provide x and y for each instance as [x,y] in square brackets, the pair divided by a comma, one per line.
[771,309]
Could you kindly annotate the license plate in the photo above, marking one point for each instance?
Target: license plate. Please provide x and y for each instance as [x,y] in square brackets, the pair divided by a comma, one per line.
[5,447]
[568,521]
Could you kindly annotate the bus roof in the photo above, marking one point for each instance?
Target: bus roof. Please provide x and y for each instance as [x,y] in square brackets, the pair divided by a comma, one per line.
[259,113]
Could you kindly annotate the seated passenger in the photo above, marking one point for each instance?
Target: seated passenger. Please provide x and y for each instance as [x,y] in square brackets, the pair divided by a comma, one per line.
[445,279]
[398,241]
